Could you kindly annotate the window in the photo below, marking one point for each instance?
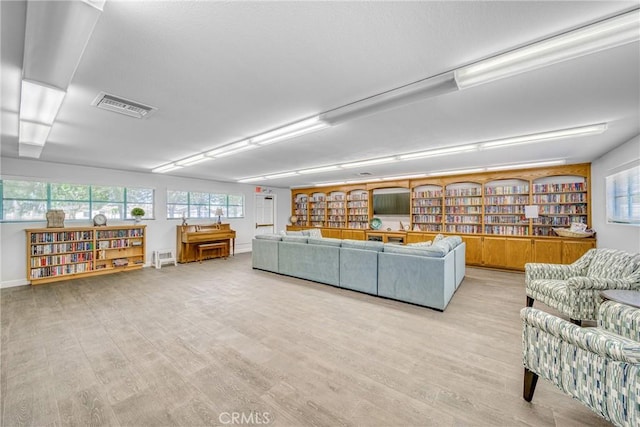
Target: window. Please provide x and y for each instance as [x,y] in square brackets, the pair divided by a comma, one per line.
[30,200]
[204,205]
[623,196]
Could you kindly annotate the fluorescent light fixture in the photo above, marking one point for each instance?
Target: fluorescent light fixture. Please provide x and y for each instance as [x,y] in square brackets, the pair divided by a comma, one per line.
[30,150]
[439,152]
[257,178]
[33,133]
[290,131]
[606,34]
[166,168]
[40,103]
[329,184]
[368,162]
[527,165]
[545,136]
[228,148]
[236,151]
[457,172]
[318,170]
[393,178]
[394,98]
[192,160]
[280,175]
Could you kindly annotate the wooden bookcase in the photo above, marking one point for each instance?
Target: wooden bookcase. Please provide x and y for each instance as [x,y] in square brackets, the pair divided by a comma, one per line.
[486,209]
[336,210]
[66,253]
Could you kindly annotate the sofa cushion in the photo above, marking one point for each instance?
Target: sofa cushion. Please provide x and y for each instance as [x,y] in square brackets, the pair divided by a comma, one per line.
[296,239]
[325,241]
[427,243]
[445,244]
[268,237]
[433,251]
[293,233]
[367,245]
[455,240]
[315,233]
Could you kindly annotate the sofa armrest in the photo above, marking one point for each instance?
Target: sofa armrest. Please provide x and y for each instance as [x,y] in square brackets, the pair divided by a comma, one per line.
[535,271]
[620,319]
[593,340]
[600,283]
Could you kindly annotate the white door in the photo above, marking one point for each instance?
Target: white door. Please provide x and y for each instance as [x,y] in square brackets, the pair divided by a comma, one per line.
[265,214]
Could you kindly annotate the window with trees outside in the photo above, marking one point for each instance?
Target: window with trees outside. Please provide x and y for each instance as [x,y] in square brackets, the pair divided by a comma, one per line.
[30,200]
[194,204]
[623,196]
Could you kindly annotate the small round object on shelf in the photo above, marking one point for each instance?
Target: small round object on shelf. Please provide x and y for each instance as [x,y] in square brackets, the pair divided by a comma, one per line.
[99,220]
[293,219]
[375,223]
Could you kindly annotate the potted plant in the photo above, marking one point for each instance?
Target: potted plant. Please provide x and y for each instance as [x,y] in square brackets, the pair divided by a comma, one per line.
[137,213]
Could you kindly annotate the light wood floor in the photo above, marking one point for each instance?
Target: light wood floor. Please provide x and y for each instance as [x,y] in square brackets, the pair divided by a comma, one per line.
[193,344]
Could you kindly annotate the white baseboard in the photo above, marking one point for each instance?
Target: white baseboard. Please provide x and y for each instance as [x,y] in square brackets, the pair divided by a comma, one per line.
[13,283]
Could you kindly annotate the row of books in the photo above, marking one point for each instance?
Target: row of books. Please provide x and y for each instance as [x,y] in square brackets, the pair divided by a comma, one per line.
[513,189]
[463,201]
[56,248]
[559,188]
[62,236]
[560,198]
[60,270]
[114,234]
[427,210]
[506,200]
[61,259]
[509,230]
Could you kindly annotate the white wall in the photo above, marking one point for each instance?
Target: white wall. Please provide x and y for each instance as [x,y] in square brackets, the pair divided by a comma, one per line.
[161,233]
[616,236]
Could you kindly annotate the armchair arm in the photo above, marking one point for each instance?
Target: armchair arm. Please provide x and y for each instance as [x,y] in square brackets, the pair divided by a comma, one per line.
[535,271]
[620,319]
[601,283]
[593,340]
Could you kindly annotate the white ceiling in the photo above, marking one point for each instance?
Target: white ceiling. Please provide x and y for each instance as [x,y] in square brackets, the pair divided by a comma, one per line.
[219,72]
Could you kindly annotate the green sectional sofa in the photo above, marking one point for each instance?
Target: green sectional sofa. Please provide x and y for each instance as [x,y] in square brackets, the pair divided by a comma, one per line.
[423,275]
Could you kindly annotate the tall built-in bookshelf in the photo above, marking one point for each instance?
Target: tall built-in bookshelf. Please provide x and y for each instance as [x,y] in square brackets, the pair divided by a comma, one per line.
[336,210]
[504,207]
[463,208]
[64,253]
[561,201]
[426,208]
[317,209]
[358,209]
[301,209]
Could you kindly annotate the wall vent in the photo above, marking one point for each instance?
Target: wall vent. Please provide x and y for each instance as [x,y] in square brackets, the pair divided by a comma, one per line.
[123,106]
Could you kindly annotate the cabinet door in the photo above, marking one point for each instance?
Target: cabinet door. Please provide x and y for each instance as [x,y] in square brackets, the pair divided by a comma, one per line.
[473,253]
[494,251]
[572,250]
[353,234]
[518,253]
[419,237]
[549,251]
[331,232]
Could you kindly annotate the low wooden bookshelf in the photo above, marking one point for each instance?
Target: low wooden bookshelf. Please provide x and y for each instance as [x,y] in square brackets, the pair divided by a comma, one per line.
[55,254]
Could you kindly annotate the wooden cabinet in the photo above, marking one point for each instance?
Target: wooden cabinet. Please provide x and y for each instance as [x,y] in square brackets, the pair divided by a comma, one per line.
[548,251]
[473,252]
[574,249]
[486,209]
[332,233]
[518,253]
[353,234]
[65,253]
[494,251]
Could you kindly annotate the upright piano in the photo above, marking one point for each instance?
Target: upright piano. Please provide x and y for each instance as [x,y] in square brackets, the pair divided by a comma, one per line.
[190,236]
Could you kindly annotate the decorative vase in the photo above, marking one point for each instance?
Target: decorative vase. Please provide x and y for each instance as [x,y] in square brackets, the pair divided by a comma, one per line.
[138,218]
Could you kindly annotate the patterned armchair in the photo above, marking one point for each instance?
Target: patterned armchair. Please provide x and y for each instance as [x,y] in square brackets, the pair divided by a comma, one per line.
[574,289]
[599,367]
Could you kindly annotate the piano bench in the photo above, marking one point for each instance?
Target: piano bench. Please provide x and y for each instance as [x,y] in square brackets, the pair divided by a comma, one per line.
[220,248]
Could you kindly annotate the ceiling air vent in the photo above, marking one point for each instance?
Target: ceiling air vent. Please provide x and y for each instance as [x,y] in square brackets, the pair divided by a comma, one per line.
[122,106]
